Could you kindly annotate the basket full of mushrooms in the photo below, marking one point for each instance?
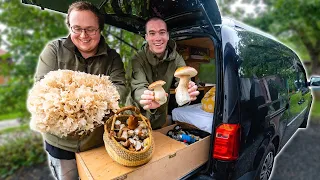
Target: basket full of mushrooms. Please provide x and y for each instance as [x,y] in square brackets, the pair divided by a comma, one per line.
[128,138]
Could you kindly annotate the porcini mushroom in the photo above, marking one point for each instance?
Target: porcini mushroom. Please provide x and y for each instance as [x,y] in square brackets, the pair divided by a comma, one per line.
[122,130]
[130,133]
[184,73]
[138,146]
[159,93]
[117,125]
[142,124]
[132,122]
[125,133]
[125,144]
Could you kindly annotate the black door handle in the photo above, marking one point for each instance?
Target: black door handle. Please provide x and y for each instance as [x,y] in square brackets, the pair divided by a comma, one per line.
[301,101]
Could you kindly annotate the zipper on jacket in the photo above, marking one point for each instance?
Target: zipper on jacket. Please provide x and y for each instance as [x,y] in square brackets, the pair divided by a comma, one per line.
[86,66]
[78,145]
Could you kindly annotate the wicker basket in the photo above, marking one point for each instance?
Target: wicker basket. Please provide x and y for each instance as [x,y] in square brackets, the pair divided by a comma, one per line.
[116,151]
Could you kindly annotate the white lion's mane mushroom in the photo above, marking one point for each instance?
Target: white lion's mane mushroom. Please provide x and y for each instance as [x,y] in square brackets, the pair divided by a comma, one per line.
[184,73]
[159,93]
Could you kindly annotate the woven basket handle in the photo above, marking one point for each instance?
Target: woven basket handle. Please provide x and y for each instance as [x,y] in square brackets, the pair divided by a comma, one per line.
[132,108]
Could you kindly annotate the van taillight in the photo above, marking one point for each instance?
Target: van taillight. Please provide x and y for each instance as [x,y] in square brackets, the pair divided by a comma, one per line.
[227,142]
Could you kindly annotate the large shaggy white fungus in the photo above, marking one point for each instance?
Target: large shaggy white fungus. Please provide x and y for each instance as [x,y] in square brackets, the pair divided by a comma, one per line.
[66,102]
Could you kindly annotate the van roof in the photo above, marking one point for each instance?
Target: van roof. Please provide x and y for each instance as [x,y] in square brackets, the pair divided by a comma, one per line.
[234,23]
[132,15]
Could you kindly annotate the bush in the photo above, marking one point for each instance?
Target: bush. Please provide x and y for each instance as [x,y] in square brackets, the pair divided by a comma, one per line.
[19,152]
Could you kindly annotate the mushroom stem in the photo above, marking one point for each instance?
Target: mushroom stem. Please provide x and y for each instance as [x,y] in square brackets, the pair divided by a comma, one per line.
[182,95]
[160,95]
[184,73]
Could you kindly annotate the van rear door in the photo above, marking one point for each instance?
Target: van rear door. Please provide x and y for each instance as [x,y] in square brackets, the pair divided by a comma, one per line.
[131,15]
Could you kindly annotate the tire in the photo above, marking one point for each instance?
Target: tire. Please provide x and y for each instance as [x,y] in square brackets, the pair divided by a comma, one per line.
[305,118]
[266,164]
[305,121]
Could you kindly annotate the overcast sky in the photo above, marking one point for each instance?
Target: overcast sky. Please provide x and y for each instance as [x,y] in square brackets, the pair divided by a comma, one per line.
[249,8]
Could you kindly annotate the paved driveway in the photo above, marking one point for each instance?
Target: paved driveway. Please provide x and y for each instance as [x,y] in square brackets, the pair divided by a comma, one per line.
[9,123]
[299,159]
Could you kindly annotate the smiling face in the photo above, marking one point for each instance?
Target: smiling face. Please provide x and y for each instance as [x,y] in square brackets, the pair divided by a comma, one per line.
[86,44]
[157,36]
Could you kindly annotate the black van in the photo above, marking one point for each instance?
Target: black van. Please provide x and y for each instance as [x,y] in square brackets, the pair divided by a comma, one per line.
[262,95]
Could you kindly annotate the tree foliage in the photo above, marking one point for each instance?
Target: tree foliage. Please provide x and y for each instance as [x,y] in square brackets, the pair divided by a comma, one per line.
[295,22]
[27,30]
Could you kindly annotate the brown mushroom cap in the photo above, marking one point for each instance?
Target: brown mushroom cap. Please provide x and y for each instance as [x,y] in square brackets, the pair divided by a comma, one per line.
[185,71]
[156,83]
[132,122]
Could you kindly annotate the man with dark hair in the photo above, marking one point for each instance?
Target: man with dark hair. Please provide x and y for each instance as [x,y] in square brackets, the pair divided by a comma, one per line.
[157,60]
[83,50]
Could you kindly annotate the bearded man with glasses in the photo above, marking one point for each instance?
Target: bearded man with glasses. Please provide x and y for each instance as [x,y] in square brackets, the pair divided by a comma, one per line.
[83,50]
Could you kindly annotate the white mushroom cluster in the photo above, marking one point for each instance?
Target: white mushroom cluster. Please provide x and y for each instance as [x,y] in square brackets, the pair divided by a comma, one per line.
[133,135]
[65,102]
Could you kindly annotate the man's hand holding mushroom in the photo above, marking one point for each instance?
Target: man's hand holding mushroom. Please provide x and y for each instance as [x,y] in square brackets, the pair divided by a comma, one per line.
[193,90]
[154,99]
[186,90]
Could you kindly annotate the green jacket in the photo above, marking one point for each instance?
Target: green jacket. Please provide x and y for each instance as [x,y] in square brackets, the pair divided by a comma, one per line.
[147,68]
[62,54]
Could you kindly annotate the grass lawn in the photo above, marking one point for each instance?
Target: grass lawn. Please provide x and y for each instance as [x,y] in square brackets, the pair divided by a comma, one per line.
[315,111]
[9,116]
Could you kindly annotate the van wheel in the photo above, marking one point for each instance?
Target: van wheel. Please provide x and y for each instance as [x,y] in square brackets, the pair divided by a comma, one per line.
[305,119]
[266,164]
[304,123]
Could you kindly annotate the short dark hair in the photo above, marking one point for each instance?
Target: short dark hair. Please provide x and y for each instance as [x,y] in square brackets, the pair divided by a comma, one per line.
[156,18]
[86,6]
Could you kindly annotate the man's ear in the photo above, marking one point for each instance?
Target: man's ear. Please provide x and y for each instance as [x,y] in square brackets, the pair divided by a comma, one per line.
[145,36]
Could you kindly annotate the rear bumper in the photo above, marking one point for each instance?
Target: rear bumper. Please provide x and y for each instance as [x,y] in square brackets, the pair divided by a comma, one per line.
[219,171]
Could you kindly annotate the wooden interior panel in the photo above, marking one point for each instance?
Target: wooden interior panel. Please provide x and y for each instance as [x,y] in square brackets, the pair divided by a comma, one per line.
[203,42]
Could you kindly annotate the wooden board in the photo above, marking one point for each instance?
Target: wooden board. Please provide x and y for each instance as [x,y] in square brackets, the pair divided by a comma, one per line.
[171,160]
[96,163]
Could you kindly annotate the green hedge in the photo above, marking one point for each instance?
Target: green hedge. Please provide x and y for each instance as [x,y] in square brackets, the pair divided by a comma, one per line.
[19,152]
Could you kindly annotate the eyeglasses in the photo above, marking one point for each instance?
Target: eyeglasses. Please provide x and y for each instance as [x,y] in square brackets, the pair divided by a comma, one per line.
[89,31]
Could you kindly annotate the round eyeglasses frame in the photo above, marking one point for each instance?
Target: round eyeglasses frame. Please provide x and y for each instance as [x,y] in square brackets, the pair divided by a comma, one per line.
[89,31]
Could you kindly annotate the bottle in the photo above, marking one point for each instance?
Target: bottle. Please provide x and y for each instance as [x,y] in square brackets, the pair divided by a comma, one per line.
[186,138]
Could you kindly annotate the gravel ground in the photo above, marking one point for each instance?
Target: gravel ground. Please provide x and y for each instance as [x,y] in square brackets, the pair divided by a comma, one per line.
[298,160]
[38,172]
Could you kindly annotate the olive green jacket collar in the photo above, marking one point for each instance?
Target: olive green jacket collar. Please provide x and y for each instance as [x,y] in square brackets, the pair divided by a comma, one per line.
[169,53]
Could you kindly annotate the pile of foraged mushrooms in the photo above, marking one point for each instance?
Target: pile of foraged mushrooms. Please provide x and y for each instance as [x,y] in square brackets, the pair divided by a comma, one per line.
[133,135]
[184,73]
